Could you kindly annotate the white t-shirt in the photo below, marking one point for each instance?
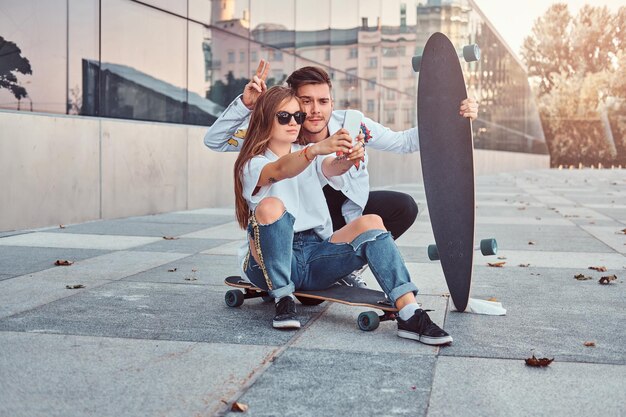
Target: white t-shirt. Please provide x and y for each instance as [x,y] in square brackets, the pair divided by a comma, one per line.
[302,195]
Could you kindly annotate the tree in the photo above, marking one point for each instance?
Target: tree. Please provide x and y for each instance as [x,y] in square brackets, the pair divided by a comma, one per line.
[224,93]
[12,61]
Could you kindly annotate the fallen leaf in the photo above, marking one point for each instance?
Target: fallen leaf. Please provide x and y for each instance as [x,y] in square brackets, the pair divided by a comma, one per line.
[598,268]
[194,270]
[537,218]
[63,262]
[538,362]
[172,270]
[496,264]
[239,407]
[170,238]
[191,279]
[582,277]
[531,243]
[524,265]
[74,287]
[521,208]
[413,388]
[622,232]
[494,299]
[607,280]
[61,226]
[501,257]
[590,344]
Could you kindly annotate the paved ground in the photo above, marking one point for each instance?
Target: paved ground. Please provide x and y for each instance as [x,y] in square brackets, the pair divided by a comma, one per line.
[139,340]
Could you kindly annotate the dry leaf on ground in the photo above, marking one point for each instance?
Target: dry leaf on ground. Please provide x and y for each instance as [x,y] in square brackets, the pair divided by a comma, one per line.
[61,226]
[607,280]
[531,243]
[170,238]
[494,299]
[172,270]
[496,264]
[63,262]
[590,344]
[74,287]
[239,407]
[524,265]
[538,362]
[582,277]
[598,268]
[501,257]
[622,232]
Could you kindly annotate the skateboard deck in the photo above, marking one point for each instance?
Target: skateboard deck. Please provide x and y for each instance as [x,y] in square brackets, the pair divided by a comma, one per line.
[352,296]
[446,151]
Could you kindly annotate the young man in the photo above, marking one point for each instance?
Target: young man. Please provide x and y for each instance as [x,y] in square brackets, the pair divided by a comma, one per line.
[348,196]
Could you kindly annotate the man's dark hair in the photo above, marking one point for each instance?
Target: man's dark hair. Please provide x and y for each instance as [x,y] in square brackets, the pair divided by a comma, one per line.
[308,75]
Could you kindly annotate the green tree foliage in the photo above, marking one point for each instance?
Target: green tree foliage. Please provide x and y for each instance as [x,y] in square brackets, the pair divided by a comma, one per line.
[576,65]
[11,62]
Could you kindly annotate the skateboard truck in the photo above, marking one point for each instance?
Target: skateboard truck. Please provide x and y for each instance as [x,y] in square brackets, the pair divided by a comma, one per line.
[487,247]
[471,53]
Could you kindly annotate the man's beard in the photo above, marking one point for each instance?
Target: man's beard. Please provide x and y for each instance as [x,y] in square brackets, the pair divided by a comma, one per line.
[315,132]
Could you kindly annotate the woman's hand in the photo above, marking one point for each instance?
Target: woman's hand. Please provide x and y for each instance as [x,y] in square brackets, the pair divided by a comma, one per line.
[338,142]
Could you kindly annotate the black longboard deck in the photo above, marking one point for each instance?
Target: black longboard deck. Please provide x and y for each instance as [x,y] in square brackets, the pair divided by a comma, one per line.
[446,151]
[337,293]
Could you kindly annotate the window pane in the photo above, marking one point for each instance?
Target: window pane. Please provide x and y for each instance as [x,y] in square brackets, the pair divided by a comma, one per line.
[39,29]
[143,68]
[178,7]
[83,54]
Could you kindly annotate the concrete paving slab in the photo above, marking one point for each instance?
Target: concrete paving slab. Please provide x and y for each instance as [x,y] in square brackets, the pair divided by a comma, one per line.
[76,241]
[131,227]
[544,238]
[157,311]
[217,211]
[72,376]
[30,291]
[611,236]
[519,220]
[206,220]
[490,387]
[21,260]
[547,310]
[228,249]
[580,212]
[192,270]
[226,231]
[5,276]
[335,383]
[181,245]
[552,259]
[337,329]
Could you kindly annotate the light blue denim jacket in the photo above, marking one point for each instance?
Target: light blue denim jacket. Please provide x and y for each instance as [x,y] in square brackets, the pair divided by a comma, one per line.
[228,133]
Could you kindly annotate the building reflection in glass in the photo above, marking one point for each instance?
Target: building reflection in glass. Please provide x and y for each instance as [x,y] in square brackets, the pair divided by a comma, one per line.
[184,61]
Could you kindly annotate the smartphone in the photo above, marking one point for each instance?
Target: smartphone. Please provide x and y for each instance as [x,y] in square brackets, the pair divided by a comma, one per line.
[352,123]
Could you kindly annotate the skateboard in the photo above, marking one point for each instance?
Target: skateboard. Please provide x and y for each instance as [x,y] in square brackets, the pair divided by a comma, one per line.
[446,152]
[367,320]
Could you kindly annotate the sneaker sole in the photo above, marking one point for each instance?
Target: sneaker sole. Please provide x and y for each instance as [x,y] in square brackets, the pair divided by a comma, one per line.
[427,340]
[286,324]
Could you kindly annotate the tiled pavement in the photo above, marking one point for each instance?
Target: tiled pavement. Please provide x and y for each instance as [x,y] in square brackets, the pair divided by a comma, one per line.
[140,340]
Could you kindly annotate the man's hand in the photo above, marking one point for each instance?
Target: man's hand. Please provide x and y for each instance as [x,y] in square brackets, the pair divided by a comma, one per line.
[256,86]
[469,108]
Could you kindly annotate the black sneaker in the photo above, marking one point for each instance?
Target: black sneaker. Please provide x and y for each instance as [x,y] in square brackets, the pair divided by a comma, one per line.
[421,328]
[285,317]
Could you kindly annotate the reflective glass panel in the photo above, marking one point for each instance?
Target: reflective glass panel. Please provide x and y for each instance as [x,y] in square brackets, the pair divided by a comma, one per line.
[83,54]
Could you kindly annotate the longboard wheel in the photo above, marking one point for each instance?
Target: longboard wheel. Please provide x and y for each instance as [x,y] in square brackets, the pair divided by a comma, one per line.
[234,298]
[471,53]
[488,247]
[368,321]
[309,301]
[433,253]
[416,61]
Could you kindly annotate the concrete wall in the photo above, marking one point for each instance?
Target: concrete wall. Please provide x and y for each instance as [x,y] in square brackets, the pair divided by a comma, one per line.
[63,170]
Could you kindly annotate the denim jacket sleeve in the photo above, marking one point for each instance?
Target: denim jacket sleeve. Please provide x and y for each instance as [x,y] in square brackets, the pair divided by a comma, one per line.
[384,139]
[228,131]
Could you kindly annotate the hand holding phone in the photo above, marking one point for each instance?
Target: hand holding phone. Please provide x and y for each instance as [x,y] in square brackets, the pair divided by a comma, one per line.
[352,123]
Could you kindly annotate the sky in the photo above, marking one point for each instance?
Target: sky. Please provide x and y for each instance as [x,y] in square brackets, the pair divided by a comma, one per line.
[515,21]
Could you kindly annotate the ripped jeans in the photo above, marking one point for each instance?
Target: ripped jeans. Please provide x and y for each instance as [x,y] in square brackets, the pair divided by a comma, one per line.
[291,261]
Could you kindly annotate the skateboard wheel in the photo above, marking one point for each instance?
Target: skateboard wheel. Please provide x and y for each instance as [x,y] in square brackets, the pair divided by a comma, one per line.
[471,53]
[433,253]
[416,61]
[309,301]
[488,247]
[233,298]
[368,321]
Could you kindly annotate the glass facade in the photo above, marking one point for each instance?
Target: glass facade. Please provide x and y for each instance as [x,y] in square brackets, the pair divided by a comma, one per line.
[183,61]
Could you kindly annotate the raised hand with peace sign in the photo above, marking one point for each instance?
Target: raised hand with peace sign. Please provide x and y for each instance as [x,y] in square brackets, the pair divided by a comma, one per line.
[256,86]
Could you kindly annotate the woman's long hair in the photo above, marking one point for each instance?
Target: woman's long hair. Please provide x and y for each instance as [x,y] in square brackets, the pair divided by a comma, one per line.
[257,140]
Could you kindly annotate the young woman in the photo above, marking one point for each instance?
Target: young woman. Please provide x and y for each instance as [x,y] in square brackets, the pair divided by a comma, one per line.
[279,199]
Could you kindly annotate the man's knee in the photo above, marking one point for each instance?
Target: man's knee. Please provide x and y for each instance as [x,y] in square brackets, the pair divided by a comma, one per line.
[409,206]
[269,210]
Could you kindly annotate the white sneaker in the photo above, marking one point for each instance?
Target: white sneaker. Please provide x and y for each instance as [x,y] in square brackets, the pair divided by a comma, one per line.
[355,279]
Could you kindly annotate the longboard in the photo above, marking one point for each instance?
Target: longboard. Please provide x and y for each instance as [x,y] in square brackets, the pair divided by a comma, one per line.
[367,321]
[446,151]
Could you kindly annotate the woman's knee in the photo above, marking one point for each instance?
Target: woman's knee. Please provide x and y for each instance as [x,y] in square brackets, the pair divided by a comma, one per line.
[371,221]
[269,210]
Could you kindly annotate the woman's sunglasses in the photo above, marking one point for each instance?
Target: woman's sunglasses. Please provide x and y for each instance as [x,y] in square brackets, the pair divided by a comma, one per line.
[284,117]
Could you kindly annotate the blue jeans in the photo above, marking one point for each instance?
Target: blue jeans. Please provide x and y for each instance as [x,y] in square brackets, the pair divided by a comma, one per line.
[291,261]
